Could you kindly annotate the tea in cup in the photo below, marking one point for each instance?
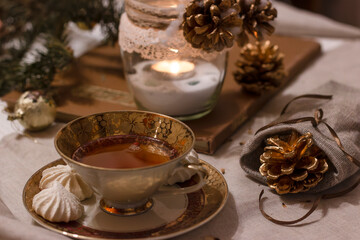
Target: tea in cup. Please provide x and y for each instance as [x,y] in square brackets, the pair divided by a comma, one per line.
[128,156]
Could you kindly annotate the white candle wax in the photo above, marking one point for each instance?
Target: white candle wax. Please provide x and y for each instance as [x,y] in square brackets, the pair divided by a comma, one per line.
[180,97]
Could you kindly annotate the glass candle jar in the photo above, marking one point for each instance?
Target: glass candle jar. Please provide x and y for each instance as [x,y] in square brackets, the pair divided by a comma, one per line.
[164,73]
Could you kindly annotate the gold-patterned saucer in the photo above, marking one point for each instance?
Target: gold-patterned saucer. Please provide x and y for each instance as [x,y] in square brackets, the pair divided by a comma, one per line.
[170,216]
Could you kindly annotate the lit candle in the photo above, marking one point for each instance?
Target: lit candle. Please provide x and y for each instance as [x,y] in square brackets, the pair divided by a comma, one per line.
[174,68]
[158,89]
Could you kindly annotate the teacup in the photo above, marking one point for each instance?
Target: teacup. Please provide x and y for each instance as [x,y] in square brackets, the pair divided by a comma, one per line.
[129,191]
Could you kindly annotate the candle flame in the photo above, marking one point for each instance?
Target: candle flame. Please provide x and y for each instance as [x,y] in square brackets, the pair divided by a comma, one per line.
[173,67]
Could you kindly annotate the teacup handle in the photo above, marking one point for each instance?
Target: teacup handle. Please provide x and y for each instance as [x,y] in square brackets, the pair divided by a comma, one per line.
[200,171]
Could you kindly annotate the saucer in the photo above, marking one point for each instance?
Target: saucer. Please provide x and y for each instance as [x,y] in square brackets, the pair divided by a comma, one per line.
[170,216]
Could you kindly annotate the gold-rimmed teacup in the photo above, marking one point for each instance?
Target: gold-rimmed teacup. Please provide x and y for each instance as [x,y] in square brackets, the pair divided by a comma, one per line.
[129,191]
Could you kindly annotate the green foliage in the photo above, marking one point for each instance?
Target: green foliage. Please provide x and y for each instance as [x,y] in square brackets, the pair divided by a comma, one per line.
[22,22]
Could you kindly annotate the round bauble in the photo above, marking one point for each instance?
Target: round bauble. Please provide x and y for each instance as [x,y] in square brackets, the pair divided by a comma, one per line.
[34,110]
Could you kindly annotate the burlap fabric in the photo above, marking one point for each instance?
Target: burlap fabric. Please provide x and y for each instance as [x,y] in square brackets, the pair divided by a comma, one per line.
[342,113]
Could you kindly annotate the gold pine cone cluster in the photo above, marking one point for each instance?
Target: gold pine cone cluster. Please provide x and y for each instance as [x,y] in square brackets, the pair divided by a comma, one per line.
[215,24]
[260,67]
[292,163]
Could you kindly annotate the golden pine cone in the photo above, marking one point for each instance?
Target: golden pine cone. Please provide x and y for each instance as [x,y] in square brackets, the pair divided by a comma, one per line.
[208,24]
[292,163]
[260,68]
[256,16]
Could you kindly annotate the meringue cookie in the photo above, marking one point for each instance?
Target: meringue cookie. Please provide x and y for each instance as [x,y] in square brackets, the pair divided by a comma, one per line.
[181,174]
[70,179]
[57,204]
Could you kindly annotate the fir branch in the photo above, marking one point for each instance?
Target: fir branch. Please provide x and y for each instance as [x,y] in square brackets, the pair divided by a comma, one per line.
[15,75]
[23,21]
[40,74]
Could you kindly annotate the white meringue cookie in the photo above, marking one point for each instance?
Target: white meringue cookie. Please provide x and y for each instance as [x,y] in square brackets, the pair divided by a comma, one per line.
[70,179]
[57,204]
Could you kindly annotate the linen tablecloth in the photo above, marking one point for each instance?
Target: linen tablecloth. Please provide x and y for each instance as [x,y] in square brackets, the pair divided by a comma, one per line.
[21,156]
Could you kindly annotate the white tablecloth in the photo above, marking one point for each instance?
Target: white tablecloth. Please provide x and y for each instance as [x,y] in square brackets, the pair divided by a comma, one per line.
[21,156]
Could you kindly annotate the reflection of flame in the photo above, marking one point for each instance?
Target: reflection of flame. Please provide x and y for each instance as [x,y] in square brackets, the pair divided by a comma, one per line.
[134,147]
[174,50]
[111,209]
[256,34]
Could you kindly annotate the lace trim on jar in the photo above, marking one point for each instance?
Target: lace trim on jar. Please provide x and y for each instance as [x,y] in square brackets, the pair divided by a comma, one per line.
[157,44]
